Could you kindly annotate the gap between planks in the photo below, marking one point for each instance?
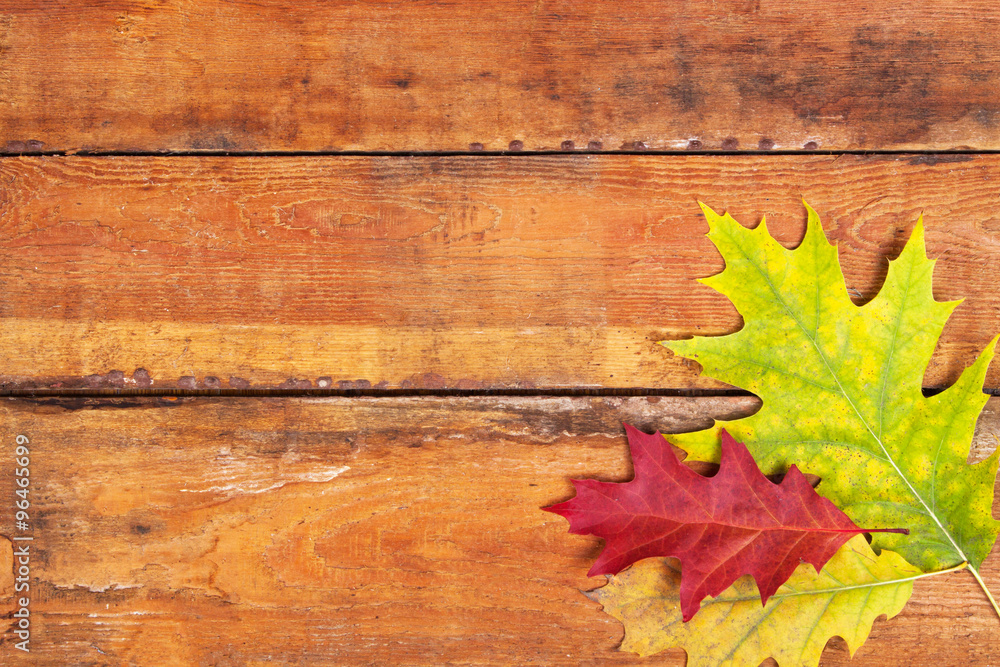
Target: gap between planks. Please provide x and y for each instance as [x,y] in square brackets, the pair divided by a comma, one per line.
[271,392]
[501,153]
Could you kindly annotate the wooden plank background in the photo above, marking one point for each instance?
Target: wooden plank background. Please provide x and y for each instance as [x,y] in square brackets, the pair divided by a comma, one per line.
[523,75]
[442,272]
[448,198]
[368,530]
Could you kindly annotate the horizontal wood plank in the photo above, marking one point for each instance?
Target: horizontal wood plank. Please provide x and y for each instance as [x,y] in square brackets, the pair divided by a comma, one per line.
[443,272]
[335,531]
[456,76]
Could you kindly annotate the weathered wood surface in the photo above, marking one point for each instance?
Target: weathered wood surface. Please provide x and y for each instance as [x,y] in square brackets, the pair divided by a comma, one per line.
[363,531]
[457,272]
[430,76]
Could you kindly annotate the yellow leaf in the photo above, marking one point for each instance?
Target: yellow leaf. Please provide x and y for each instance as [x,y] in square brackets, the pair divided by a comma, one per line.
[854,588]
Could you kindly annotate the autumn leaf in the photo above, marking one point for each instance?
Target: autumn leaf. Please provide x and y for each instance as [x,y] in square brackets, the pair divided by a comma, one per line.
[841,391]
[720,528]
[854,588]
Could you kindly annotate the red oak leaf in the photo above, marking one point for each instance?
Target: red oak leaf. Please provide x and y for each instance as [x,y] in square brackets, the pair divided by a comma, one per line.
[720,528]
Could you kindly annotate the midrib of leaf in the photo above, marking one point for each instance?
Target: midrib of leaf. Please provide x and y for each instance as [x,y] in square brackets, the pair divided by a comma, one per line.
[778,597]
[876,438]
[748,542]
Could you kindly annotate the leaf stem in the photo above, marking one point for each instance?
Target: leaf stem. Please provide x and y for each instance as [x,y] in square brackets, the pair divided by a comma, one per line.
[982,584]
[900,531]
[966,566]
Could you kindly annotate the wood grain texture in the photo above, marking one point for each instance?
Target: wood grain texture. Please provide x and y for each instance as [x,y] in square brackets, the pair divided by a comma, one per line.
[443,272]
[432,76]
[362,531]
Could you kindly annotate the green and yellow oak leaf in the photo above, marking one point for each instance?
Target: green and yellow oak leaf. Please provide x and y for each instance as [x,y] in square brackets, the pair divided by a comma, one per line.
[841,391]
[844,598]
